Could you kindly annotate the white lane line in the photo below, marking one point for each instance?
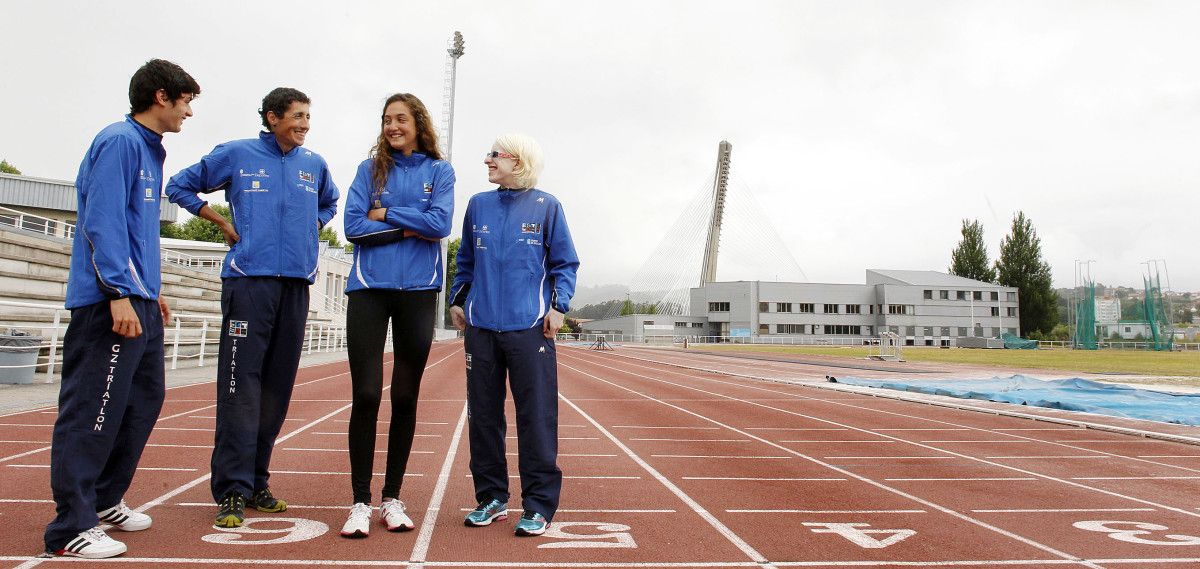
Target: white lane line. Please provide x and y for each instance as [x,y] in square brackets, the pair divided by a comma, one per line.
[1052,456]
[147,468]
[421,547]
[1136,478]
[163,445]
[575,455]
[224,561]
[1015,479]
[704,514]
[663,427]
[186,413]
[347,450]
[835,468]
[514,437]
[797,429]
[927,429]
[24,454]
[323,473]
[1170,456]
[842,442]
[566,477]
[828,511]
[1063,510]
[26,442]
[1019,441]
[695,440]
[764,479]
[1039,429]
[710,456]
[201,429]
[594,511]
[889,457]
[20,501]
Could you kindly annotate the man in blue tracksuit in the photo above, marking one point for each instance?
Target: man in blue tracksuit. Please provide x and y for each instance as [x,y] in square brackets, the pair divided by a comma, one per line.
[280,195]
[112,378]
[516,275]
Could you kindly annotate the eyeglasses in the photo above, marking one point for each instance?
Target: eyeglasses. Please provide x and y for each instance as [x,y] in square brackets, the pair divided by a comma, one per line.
[498,154]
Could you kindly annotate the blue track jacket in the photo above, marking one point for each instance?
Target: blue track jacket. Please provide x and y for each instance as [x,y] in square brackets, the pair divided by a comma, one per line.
[115,251]
[516,260]
[278,201]
[419,195]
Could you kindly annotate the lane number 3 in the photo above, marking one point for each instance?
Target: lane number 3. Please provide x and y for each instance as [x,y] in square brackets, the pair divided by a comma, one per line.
[1134,532]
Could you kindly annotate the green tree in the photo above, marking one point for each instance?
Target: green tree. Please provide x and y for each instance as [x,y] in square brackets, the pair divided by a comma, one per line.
[1021,265]
[970,259]
[330,235]
[198,228]
[7,168]
[628,308]
[451,271]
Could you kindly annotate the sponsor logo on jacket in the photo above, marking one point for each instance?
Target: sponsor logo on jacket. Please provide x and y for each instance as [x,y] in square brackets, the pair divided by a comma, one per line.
[308,177]
[531,228]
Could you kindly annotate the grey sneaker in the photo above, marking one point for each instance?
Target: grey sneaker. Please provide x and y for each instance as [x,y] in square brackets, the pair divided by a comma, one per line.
[487,512]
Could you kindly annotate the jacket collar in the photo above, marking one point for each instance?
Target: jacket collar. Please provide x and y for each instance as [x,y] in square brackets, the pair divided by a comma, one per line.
[411,160]
[153,139]
[268,140]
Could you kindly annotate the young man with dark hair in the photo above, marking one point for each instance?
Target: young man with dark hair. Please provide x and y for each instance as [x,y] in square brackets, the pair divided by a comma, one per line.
[112,384]
[280,196]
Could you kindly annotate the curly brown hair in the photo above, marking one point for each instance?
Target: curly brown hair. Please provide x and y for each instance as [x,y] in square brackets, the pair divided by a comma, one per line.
[427,142]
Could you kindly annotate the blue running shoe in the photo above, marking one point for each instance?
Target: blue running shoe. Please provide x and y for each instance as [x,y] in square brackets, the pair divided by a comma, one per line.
[487,512]
[532,523]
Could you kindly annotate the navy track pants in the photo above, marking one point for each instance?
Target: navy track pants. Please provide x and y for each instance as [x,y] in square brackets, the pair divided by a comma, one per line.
[262,334]
[528,359]
[111,393]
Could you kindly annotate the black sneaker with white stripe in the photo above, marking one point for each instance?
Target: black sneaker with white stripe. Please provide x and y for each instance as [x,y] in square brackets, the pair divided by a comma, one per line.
[123,518]
[92,544]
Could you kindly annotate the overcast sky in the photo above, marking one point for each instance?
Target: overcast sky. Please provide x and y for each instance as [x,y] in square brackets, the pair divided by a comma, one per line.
[866,130]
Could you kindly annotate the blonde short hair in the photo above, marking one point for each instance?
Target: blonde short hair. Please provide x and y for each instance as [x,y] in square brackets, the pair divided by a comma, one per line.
[529,157]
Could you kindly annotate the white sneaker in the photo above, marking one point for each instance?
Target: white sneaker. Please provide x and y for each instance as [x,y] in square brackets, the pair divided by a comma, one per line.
[359,522]
[124,519]
[391,514]
[92,544]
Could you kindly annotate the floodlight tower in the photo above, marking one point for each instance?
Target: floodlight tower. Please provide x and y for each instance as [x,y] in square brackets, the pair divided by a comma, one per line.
[453,52]
[708,272]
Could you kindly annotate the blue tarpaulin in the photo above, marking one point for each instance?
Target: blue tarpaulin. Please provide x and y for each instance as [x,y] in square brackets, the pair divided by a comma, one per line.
[1072,394]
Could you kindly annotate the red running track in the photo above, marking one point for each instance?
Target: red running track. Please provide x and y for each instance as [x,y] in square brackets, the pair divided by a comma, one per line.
[664,467]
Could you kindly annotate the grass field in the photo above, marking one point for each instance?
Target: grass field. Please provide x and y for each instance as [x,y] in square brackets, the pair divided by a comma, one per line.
[1183,365]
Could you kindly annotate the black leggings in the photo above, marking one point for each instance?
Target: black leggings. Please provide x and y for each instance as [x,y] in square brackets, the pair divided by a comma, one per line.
[411,315]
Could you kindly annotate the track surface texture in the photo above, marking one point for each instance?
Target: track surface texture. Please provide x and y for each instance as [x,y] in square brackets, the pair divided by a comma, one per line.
[670,460]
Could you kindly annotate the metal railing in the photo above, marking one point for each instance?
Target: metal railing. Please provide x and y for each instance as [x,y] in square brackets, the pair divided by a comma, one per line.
[35,223]
[188,337]
[829,341]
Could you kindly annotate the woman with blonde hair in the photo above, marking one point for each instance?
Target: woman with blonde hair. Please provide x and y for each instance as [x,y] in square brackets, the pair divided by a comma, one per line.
[516,275]
[397,210]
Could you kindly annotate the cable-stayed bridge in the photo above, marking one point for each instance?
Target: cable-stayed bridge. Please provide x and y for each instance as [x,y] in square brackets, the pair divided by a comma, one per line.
[722,233]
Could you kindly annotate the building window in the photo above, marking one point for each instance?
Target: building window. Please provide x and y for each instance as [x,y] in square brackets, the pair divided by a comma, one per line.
[928,295]
[697,324]
[995,296]
[843,330]
[762,306]
[681,324]
[900,309]
[647,322]
[961,295]
[783,307]
[927,330]
[718,307]
[962,331]
[977,295]
[805,308]
[872,309]
[853,309]
[831,309]
[764,329]
[995,311]
[945,330]
[1011,296]
[1012,312]
[910,331]
[790,328]
[944,294]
